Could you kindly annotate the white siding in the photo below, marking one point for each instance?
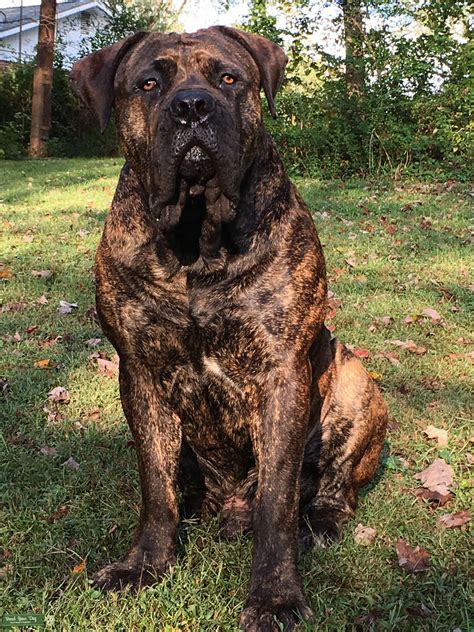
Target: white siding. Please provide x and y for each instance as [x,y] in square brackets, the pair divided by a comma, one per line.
[69,30]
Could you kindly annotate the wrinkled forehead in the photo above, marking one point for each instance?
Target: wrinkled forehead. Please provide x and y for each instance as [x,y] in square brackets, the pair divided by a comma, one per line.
[188,51]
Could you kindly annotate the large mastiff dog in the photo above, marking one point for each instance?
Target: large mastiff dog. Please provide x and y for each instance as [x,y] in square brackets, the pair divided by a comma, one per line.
[211,285]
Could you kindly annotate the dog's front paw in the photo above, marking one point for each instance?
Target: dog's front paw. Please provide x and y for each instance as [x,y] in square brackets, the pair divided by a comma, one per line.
[321,528]
[128,574]
[274,613]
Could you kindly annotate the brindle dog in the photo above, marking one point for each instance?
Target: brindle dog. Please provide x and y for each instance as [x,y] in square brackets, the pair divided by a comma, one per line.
[211,285]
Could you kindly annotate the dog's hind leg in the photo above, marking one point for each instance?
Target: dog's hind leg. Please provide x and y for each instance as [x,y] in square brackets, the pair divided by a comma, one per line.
[347,430]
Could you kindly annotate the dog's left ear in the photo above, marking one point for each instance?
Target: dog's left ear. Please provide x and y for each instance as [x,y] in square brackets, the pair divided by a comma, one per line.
[93,76]
[269,57]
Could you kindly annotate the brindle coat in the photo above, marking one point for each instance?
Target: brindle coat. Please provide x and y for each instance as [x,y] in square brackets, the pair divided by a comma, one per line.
[211,285]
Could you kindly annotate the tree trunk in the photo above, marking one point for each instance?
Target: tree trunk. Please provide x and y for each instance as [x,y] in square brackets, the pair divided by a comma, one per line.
[43,81]
[354,40]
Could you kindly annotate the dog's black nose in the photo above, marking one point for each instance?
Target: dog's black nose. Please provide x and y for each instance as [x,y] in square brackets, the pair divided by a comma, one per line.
[192,106]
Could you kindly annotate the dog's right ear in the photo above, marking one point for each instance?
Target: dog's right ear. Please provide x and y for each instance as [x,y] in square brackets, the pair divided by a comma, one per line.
[93,76]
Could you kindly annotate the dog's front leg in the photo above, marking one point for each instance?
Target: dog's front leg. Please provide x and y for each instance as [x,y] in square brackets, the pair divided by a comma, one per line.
[157,434]
[278,435]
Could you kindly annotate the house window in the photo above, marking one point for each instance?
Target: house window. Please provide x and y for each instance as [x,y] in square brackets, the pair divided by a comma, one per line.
[85,23]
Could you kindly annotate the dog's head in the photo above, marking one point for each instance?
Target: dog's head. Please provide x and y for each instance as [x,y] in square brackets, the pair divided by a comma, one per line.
[187,106]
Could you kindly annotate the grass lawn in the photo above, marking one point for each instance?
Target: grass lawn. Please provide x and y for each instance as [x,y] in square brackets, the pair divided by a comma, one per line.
[393,250]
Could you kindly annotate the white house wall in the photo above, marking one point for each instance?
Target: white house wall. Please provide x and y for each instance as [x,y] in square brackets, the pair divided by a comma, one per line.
[68,30]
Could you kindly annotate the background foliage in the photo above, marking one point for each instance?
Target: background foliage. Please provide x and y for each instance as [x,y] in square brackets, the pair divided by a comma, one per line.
[392,93]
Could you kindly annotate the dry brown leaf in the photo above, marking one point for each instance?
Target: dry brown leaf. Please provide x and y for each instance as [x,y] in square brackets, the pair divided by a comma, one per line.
[369,618]
[47,450]
[71,463]
[437,477]
[462,356]
[53,415]
[31,329]
[41,274]
[409,345]
[79,568]
[412,559]
[44,364]
[108,367]
[421,611]
[5,273]
[361,353]
[58,514]
[13,339]
[375,375]
[93,342]
[433,498]
[437,433]
[59,395]
[364,535]
[452,520]
[432,314]
[66,308]
[391,356]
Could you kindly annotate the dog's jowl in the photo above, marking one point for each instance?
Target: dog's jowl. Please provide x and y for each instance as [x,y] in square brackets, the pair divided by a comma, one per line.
[211,285]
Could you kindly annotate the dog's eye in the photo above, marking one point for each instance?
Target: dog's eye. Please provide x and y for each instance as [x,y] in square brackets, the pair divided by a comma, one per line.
[149,85]
[228,80]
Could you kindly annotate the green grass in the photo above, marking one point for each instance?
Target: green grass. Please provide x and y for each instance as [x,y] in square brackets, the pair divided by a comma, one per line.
[52,215]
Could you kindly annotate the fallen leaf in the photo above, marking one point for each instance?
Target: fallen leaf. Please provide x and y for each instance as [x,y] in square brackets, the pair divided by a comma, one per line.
[391,229]
[391,356]
[375,375]
[93,342]
[12,338]
[351,262]
[361,353]
[91,314]
[452,520]
[44,364]
[412,559]
[421,611]
[20,439]
[71,463]
[57,515]
[41,274]
[393,425]
[53,415]
[93,414]
[18,306]
[6,273]
[79,568]
[409,345]
[60,395]
[47,450]
[412,318]
[462,356]
[50,340]
[107,367]
[66,308]
[433,498]
[5,571]
[42,300]
[437,477]
[369,618]
[432,314]
[364,535]
[437,433]
[31,329]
